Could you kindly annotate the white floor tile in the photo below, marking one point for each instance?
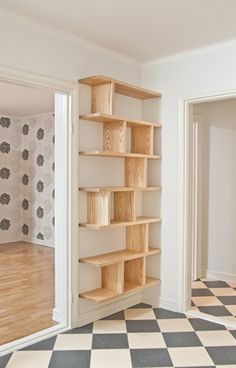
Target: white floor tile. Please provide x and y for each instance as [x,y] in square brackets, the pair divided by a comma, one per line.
[198,285]
[73,342]
[206,301]
[223,291]
[110,358]
[216,338]
[190,357]
[174,325]
[30,359]
[231,309]
[139,313]
[106,326]
[150,340]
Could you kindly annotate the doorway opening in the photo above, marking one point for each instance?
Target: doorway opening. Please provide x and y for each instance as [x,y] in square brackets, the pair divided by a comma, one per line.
[35,127]
[208,210]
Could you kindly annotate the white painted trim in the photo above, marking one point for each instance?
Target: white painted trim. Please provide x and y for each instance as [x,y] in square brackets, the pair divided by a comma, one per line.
[45,243]
[9,241]
[185,197]
[107,310]
[160,302]
[215,275]
[29,79]
[32,339]
[207,317]
[57,315]
[55,32]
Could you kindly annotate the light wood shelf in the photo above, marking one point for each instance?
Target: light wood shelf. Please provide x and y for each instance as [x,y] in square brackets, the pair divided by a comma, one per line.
[102,294]
[118,223]
[117,256]
[120,87]
[123,271]
[119,189]
[105,119]
[118,154]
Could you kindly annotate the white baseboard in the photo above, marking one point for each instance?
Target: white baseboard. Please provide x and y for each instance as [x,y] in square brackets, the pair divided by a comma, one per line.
[106,310]
[39,242]
[7,240]
[219,276]
[169,304]
[57,315]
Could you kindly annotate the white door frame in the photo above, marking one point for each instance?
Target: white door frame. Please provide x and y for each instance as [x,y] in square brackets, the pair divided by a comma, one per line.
[66,113]
[186,211]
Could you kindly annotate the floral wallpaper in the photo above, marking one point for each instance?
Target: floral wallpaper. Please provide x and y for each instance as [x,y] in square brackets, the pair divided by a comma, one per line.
[27,179]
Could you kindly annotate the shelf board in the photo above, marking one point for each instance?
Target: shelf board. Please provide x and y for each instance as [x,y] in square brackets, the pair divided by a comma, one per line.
[119,189]
[117,256]
[101,295]
[116,223]
[104,118]
[118,154]
[121,87]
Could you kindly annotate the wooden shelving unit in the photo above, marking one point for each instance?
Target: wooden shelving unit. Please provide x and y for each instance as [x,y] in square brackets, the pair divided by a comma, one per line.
[122,271]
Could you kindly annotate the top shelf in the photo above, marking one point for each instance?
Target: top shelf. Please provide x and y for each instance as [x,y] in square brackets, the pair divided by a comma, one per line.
[121,87]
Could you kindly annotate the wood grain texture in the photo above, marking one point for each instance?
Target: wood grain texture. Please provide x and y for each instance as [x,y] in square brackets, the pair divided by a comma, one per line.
[113,277]
[142,140]
[123,88]
[118,223]
[118,154]
[135,272]
[26,289]
[104,118]
[136,172]
[137,238]
[114,137]
[119,189]
[103,98]
[98,208]
[124,206]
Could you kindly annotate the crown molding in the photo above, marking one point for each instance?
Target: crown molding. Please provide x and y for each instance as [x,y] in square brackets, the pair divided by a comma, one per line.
[40,27]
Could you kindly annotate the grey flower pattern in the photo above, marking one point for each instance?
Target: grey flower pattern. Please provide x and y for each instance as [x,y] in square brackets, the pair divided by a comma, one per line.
[5,198]
[25,204]
[40,160]
[40,133]
[5,147]
[53,166]
[40,212]
[40,236]
[25,229]
[25,129]
[5,122]
[5,173]
[25,179]
[40,186]
[53,194]
[53,139]
[5,224]
[53,220]
[25,154]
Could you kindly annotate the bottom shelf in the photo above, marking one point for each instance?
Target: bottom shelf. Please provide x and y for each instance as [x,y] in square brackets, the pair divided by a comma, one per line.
[101,295]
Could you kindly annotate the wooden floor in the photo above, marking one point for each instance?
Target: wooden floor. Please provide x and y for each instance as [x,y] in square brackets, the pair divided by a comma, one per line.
[26,289]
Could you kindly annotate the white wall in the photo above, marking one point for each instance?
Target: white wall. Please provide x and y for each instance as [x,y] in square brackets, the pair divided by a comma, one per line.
[189,75]
[217,183]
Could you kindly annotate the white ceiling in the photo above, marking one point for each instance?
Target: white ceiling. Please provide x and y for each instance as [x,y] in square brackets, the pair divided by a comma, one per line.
[141,29]
[18,101]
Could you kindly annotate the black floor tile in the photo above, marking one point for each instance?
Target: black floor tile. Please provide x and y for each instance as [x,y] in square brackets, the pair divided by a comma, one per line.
[202,325]
[116,316]
[4,360]
[222,355]
[110,341]
[142,326]
[181,339]
[218,310]
[216,284]
[233,333]
[141,305]
[150,358]
[43,345]
[161,313]
[70,359]
[80,330]
[228,300]
[201,292]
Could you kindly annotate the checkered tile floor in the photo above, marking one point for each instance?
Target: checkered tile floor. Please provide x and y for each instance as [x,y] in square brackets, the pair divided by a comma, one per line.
[216,298]
[137,337]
